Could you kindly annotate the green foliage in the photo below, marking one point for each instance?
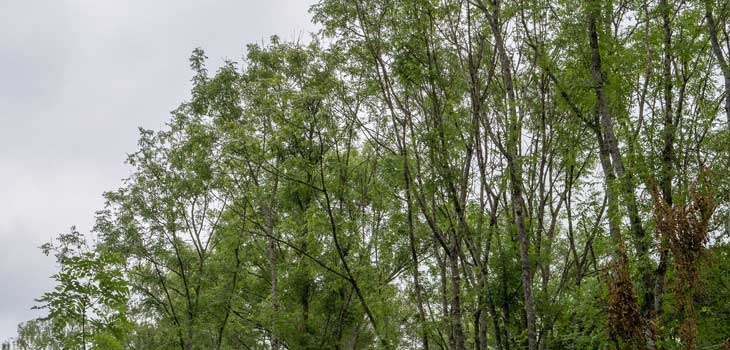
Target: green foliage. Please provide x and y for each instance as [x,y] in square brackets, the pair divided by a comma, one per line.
[90,297]
[402,185]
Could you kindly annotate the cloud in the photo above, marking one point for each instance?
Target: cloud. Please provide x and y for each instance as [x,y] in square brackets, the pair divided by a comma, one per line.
[78,78]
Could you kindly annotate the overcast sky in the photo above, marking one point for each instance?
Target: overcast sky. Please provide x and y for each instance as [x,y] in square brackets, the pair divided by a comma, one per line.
[77,78]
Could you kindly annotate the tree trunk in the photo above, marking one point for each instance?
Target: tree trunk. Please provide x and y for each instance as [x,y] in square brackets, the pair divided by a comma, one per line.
[719,55]
[458,330]
[624,315]
[515,175]
[269,222]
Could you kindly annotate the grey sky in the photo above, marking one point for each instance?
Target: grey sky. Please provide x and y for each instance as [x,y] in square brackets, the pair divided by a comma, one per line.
[77,77]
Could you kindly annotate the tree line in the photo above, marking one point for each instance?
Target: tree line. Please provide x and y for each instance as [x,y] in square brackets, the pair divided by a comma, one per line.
[452,174]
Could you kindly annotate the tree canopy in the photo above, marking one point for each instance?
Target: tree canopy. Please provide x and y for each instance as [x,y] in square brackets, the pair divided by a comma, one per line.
[453,174]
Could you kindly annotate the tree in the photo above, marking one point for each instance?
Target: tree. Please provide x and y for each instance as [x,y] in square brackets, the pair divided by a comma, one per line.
[89,300]
[458,174]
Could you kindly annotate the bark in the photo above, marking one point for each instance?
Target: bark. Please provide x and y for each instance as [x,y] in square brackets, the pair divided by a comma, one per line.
[456,318]
[495,322]
[667,175]
[668,137]
[719,55]
[444,297]
[268,211]
[625,317]
[412,241]
[83,326]
[269,226]
[511,152]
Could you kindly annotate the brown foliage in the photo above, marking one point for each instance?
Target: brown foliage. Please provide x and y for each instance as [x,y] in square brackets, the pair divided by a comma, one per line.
[624,317]
[685,227]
